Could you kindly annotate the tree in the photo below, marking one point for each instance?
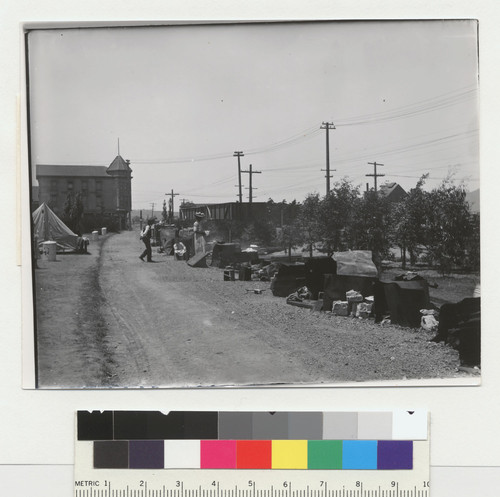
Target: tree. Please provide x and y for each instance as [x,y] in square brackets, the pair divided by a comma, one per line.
[336,212]
[73,211]
[164,214]
[448,225]
[258,232]
[308,221]
[473,257]
[408,220]
[372,225]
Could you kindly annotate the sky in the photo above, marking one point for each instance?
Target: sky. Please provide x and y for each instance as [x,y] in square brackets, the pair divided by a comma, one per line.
[182,99]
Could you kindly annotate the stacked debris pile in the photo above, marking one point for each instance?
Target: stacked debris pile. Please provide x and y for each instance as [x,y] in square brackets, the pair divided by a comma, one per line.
[354,305]
[238,272]
[355,271]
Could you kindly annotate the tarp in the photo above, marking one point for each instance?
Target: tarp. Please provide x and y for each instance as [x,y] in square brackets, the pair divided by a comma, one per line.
[403,300]
[48,227]
[355,263]
[224,254]
[460,326]
[316,268]
[289,278]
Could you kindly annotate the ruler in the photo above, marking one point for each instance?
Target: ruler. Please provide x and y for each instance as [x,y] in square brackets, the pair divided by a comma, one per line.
[252,484]
[94,481]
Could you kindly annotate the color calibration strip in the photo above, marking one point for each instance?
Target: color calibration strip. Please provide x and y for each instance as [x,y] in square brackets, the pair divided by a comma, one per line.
[254,454]
[252,440]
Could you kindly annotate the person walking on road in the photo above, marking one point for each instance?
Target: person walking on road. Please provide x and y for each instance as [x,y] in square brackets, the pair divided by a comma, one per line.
[146,238]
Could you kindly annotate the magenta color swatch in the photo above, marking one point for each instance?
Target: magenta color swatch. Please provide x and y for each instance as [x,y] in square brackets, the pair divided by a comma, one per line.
[218,454]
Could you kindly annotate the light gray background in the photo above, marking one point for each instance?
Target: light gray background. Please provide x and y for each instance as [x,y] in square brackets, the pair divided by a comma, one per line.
[36,434]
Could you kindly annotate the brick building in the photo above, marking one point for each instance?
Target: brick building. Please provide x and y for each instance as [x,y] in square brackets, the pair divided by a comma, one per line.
[106,192]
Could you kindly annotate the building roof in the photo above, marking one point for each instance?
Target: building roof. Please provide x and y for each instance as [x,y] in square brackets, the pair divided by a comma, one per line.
[389,189]
[119,164]
[75,171]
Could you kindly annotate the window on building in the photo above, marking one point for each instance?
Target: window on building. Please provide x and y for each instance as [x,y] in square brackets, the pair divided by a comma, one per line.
[53,200]
[98,200]
[53,185]
[98,185]
[70,186]
[85,187]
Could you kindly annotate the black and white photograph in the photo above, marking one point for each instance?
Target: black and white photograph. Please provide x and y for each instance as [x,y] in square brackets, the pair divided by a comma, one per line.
[254,204]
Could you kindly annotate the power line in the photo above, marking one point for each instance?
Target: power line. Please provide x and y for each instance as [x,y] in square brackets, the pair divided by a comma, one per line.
[410,110]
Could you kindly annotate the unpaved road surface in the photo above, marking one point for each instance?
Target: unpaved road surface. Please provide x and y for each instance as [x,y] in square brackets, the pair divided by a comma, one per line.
[108,319]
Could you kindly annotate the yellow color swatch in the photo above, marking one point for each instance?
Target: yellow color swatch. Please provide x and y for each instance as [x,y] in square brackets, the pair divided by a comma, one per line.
[289,454]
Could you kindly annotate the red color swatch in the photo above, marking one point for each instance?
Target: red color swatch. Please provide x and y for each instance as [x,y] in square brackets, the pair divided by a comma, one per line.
[253,454]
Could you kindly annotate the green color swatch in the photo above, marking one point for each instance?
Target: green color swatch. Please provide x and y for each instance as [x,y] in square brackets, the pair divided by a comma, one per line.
[324,454]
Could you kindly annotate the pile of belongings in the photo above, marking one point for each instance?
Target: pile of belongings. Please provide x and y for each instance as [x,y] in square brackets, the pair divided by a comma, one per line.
[355,305]
[264,271]
[300,295]
[303,298]
[429,321]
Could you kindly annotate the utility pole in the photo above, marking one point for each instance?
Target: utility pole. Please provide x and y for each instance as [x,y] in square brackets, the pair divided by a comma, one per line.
[239,154]
[152,209]
[171,205]
[250,188]
[375,175]
[327,126]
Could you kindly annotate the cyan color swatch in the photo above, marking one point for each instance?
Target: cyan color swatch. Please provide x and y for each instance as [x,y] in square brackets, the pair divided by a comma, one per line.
[359,454]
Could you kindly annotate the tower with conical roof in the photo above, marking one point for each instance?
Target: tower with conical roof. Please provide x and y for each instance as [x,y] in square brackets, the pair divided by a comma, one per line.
[121,173]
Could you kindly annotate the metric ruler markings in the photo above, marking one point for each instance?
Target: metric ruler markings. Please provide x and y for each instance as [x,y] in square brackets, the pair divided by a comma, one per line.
[236,492]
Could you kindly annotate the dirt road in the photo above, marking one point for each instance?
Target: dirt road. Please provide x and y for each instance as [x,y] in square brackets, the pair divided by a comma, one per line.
[110,320]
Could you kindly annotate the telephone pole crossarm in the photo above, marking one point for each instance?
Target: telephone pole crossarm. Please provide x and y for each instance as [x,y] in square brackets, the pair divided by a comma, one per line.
[171,205]
[239,154]
[375,175]
[251,172]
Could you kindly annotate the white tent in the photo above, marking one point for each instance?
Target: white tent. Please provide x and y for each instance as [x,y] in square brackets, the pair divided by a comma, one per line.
[48,227]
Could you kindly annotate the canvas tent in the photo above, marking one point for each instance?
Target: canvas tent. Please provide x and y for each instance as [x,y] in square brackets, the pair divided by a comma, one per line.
[47,226]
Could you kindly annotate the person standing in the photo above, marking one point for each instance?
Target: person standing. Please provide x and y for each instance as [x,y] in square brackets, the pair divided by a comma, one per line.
[146,238]
[199,234]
